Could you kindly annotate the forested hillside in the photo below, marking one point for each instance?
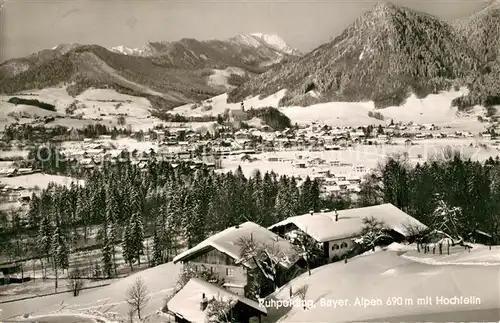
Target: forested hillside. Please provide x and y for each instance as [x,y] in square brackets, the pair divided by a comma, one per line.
[174,205]
[471,187]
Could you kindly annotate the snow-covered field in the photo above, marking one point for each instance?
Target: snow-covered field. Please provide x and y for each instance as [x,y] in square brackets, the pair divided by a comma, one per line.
[387,285]
[219,105]
[159,280]
[435,108]
[104,105]
[367,155]
[38,180]
[65,318]
[92,104]
[480,254]
[85,261]
[375,285]
[220,77]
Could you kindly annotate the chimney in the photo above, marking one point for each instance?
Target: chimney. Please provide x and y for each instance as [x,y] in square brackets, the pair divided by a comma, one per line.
[311,212]
[204,302]
[336,216]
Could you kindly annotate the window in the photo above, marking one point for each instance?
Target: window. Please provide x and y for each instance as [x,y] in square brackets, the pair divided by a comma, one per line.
[335,247]
[343,245]
[229,272]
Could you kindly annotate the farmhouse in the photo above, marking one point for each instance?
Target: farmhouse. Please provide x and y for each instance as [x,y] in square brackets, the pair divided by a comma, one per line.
[337,229]
[222,254]
[191,303]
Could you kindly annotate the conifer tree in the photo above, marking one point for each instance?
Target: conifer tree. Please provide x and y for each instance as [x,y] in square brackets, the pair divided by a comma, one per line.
[284,207]
[305,196]
[107,251]
[60,251]
[157,249]
[45,237]
[34,211]
[138,237]
[127,244]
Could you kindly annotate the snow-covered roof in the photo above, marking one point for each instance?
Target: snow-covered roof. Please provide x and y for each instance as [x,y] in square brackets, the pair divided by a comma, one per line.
[323,227]
[227,242]
[186,303]
[332,188]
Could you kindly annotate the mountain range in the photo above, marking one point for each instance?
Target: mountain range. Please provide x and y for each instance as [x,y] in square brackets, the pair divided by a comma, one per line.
[384,56]
[168,73]
[268,45]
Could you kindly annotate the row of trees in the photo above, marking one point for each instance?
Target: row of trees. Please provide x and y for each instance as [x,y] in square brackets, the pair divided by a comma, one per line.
[467,192]
[173,206]
[180,206]
[28,132]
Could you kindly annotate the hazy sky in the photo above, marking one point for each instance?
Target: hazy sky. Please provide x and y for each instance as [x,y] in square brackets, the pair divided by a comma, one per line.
[27,26]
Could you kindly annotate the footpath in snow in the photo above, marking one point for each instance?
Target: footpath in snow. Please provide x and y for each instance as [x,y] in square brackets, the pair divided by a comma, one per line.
[479,255]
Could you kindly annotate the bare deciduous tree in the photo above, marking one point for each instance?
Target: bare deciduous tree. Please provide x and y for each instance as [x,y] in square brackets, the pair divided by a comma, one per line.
[301,293]
[446,221]
[75,283]
[137,296]
[373,231]
[268,258]
[309,249]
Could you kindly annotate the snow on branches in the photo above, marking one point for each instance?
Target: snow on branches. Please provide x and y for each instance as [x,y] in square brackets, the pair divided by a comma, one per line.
[373,231]
[310,249]
[219,310]
[268,258]
[445,220]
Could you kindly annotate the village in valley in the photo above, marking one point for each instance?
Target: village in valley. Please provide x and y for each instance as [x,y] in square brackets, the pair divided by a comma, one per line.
[333,213]
[240,180]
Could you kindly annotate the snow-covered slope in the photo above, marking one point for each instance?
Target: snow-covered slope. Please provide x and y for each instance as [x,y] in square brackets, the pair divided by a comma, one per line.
[381,285]
[219,104]
[276,42]
[102,106]
[480,255]
[435,108]
[270,40]
[221,77]
[159,280]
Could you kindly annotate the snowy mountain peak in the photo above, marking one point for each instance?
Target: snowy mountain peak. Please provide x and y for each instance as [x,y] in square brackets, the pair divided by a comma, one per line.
[276,42]
[269,40]
[121,49]
[65,48]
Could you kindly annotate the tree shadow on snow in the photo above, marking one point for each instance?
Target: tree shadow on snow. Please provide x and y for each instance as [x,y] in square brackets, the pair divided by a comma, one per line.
[275,313]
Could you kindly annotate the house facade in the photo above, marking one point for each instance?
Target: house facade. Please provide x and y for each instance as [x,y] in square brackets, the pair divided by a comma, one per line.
[336,230]
[215,261]
[223,254]
[337,248]
[192,304]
